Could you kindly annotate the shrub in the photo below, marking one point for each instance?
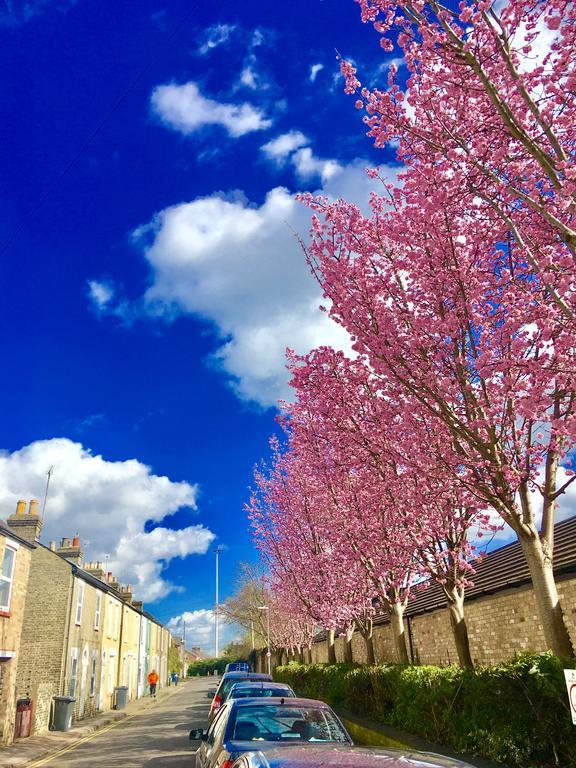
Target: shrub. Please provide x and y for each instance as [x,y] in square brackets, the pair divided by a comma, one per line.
[516,713]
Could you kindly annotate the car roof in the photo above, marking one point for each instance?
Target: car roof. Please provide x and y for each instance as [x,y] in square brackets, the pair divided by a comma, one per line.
[246,676]
[261,683]
[342,756]
[278,700]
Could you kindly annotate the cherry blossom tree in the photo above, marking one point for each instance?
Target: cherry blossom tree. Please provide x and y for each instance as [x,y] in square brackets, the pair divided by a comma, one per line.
[294,531]
[487,112]
[464,346]
[391,497]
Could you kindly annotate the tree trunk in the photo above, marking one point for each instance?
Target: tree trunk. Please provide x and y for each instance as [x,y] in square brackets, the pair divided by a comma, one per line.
[309,654]
[348,651]
[366,629]
[331,646]
[396,611]
[459,627]
[370,655]
[546,594]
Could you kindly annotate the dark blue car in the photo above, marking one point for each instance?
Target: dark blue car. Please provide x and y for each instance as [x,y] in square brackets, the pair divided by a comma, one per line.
[246,725]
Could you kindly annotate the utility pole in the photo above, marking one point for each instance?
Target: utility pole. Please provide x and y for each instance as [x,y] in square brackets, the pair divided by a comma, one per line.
[217,551]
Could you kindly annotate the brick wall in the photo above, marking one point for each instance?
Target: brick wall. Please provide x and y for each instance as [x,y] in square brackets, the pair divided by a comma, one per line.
[42,647]
[11,625]
[499,625]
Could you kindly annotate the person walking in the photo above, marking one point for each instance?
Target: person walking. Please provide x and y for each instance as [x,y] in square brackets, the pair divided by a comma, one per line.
[153,682]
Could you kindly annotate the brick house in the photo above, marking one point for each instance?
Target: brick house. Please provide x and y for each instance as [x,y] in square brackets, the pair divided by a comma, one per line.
[15,555]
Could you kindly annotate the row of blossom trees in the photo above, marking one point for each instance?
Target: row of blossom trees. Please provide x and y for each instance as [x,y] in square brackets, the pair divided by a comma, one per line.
[456,414]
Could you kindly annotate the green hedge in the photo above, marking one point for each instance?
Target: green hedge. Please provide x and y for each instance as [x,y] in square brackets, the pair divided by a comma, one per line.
[516,714]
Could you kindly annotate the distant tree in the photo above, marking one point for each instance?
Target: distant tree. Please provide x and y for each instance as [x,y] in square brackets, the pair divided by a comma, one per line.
[242,607]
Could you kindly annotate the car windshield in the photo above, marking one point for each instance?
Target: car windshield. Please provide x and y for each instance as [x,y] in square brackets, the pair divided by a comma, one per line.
[281,722]
[226,685]
[251,693]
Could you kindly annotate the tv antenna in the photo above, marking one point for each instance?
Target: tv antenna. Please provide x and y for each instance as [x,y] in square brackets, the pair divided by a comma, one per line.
[48,476]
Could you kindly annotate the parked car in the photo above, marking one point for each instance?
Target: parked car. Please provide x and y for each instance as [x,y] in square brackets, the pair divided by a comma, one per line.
[226,682]
[246,725]
[328,756]
[237,666]
[258,690]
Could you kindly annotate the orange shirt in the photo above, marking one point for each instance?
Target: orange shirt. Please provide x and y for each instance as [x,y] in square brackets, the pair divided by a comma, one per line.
[153,678]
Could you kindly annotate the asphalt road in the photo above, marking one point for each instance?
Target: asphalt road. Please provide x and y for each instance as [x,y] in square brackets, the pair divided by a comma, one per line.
[155,738]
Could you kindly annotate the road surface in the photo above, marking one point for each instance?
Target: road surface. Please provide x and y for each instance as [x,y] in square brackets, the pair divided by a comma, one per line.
[154,738]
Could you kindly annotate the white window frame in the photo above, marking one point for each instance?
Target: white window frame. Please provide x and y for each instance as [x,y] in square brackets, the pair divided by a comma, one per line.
[73,685]
[79,602]
[93,668]
[10,547]
[98,611]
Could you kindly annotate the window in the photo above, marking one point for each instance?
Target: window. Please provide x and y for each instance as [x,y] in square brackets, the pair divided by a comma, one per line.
[98,610]
[93,672]
[80,602]
[6,577]
[73,673]
[110,618]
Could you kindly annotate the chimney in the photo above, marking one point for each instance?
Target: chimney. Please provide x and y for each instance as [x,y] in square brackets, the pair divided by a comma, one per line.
[113,582]
[95,569]
[71,550]
[52,546]
[126,593]
[28,526]
[138,604]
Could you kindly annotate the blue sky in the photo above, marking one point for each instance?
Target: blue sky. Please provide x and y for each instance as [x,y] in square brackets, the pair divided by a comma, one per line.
[147,301]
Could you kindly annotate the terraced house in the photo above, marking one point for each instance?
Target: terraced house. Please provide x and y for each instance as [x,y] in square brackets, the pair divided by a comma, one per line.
[15,556]
[81,635]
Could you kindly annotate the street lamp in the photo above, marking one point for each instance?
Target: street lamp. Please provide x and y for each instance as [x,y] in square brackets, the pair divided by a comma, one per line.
[217,550]
[268,654]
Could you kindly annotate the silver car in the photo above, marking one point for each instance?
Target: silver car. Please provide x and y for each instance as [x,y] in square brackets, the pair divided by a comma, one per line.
[246,725]
[330,756]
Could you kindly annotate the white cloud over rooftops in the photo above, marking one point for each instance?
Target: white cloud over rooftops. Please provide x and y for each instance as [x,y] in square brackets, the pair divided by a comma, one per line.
[184,109]
[108,503]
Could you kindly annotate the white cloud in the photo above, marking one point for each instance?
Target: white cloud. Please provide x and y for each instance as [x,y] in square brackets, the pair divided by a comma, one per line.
[241,268]
[201,628]
[108,504]
[100,293]
[308,165]
[215,36]
[184,109]
[248,78]
[314,70]
[280,148]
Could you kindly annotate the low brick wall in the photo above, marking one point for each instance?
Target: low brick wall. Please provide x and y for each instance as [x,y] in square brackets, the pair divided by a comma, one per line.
[499,625]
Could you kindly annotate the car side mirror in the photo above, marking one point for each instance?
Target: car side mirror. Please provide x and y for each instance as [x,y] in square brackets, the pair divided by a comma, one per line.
[211,692]
[197,734]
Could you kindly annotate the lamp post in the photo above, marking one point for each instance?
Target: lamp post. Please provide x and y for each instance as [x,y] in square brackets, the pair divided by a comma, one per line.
[268,653]
[217,550]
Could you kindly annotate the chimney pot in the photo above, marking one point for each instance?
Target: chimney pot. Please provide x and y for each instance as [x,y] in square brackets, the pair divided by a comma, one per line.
[65,543]
[76,541]
[33,509]
[52,546]
[21,507]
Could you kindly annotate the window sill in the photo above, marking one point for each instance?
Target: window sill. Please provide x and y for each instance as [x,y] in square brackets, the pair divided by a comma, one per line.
[4,614]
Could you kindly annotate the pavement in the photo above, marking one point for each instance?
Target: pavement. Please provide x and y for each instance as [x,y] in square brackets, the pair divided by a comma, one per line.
[149,733]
